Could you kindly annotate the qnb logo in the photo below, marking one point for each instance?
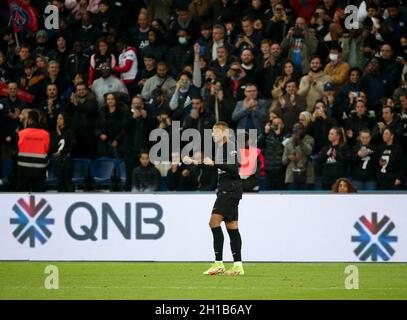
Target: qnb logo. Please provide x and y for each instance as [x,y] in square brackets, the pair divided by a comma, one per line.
[374,238]
[32,222]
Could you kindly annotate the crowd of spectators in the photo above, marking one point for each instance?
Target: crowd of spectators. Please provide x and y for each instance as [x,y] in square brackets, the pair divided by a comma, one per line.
[327,101]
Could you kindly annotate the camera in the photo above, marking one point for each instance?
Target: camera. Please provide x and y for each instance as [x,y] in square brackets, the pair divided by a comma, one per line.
[273,127]
[211,81]
[400,59]
[237,71]
[298,33]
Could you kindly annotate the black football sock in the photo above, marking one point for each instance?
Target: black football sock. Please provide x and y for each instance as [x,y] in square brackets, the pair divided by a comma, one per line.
[235,244]
[218,243]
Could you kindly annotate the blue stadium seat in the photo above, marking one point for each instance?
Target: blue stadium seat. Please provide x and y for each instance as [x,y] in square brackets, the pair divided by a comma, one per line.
[6,168]
[262,183]
[102,170]
[121,172]
[163,184]
[80,171]
[51,180]
[317,165]
[318,183]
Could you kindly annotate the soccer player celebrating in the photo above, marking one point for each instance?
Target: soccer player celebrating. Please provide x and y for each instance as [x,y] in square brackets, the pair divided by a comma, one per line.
[229,193]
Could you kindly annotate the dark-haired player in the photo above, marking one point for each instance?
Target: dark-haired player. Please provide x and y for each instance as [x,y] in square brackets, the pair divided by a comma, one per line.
[229,193]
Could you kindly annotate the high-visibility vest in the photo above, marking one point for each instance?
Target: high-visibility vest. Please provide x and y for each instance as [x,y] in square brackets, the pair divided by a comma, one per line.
[33,145]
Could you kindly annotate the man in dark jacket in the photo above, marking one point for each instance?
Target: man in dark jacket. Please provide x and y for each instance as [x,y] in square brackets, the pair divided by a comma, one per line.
[272,143]
[146,177]
[33,81]
[250,113]
[10,109]
[388,120]
[181,177]
[135,137]
[182,53]
[87,32]
[357,121]
[84,110]
[52,105]
[376,84]
[319,128]
[290,105]
[199,118]
[185,22]
[270,66]
[76,62]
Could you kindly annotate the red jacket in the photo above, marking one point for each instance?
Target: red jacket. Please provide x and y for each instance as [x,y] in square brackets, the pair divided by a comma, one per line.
[33,145]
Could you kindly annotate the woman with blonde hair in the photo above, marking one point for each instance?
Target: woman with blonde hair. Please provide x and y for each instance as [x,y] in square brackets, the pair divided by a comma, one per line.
[23,117]
[305,118]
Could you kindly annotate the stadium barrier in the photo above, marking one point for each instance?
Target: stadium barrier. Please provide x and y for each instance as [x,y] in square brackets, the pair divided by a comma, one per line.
[174,227]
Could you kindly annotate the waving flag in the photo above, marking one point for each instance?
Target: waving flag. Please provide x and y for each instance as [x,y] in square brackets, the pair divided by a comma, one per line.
[23,15]
[303,8]
[21,94]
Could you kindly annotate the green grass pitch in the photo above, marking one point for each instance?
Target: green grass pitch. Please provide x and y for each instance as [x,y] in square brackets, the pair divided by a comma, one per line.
[154,280]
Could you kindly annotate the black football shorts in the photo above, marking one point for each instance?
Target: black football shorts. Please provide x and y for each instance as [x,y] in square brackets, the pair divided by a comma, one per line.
[227,206]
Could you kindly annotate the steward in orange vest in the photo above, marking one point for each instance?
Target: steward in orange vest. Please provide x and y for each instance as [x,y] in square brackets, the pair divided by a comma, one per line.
[33,145]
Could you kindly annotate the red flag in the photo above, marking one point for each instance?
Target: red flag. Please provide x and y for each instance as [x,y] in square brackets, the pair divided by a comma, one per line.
[21,94]
[23,15]
[304,8]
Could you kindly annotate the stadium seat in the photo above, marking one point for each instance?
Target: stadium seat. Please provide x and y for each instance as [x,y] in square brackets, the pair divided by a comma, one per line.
[121,172]
[80,171]
[317,165]
[102,170]
[318,183]
[6,168]
[262,183]
[51,180]
[163,184]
